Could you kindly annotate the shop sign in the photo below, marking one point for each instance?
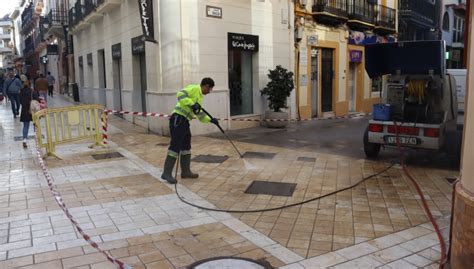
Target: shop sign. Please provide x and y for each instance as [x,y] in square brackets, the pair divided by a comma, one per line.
[355,56]
[313,40]
[214,12]
[89,59]
[138,45]
[117,51]
[52,49]
[146,19]
[242,42]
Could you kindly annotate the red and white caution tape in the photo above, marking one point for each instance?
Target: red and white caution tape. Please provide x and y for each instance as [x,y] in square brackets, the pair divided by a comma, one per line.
[161,115]
[62,205]
[104,123]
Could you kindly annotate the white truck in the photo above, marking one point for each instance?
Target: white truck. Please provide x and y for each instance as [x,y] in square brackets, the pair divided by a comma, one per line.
[460,77]
[418,106]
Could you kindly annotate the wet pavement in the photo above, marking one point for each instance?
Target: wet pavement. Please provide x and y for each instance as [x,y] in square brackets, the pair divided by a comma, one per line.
[117,197]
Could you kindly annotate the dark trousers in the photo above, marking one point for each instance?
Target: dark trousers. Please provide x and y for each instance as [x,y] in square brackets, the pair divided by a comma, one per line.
[15,100]
[50,90]
[180,135]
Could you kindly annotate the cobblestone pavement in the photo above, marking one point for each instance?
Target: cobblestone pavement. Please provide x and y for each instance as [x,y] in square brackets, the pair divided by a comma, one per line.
[128,210]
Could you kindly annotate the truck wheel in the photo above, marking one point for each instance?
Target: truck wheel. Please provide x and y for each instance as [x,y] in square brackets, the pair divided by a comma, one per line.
[453,143]
[371,149]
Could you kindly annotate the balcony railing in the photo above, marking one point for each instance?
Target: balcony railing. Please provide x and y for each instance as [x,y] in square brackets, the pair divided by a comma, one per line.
[71,18]
[78,12]
[419,11]
[336,7]
[89,7]
[57,17]
[386,17]
[361,10]
[26,17]
[29,46]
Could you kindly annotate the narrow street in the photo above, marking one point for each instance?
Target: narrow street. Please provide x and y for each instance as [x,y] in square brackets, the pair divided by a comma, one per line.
[121,202]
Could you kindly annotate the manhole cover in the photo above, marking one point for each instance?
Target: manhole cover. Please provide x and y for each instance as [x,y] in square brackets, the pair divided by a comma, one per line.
[271,188]
[20,138]
[307,159]
[230,262]
[259,155]
[109,155]
[210,159]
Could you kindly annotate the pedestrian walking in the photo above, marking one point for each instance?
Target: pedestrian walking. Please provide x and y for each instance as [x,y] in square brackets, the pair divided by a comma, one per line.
[2,80]
[26,95]
[51,80]
[11,88]
[189,105]
[41,85]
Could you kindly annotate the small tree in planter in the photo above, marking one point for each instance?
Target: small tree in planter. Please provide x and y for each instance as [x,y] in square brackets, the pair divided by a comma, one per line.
[278,89]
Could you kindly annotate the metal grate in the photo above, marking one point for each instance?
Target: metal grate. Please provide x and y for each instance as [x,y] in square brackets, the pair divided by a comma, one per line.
[210,159]
[306,159]
[109,155]
[259,155]
[271,188]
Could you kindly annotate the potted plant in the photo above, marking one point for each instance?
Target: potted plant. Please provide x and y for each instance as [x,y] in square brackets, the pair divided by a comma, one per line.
[278,89]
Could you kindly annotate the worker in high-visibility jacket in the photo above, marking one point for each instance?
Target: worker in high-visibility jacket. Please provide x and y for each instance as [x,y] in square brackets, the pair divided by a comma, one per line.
[188,106]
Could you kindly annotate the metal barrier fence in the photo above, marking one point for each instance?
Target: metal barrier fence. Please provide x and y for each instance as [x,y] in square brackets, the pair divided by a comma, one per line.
[68,124]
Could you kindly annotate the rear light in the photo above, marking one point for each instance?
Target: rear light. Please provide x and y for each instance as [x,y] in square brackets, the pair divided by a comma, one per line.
[403,130]
[376,128]
[431,132]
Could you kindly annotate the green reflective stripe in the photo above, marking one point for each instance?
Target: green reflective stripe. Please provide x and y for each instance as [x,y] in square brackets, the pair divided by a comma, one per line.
[185,95]
[201,115]
[172,154]
[185,152]
[188,115]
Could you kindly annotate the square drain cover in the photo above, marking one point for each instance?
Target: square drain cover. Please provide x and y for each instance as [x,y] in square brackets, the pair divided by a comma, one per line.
[109,155]
[259,155]
[306,159]
[271,188]
[210,159]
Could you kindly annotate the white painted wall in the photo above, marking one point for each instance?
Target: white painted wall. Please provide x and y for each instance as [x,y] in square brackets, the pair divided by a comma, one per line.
[190,46]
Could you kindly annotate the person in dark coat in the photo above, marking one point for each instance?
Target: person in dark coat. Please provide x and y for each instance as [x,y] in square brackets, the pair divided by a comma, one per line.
[26,95]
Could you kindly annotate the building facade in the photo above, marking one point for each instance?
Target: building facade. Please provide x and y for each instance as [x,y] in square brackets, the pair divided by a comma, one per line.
[453,31]
[419,20]
[55,32]
[330,39]
[6,51]
[234,42]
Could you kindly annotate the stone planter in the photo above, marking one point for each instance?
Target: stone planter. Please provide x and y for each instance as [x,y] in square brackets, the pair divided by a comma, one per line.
[272,115]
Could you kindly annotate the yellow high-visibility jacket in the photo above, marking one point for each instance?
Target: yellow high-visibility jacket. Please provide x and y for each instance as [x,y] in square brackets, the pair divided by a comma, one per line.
[187,97]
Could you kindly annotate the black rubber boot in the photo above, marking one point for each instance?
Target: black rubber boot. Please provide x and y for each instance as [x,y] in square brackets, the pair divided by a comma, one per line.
[168,170]
[185,167]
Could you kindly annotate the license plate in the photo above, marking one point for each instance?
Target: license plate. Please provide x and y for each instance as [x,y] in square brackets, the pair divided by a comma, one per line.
[403,140]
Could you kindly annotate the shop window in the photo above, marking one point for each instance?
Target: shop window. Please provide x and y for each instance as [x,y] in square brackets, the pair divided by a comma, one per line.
[377,84]
[458,30]
[240,82]
[446,22]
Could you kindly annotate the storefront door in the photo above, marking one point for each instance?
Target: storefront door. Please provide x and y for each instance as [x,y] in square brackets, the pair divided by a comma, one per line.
[327,76]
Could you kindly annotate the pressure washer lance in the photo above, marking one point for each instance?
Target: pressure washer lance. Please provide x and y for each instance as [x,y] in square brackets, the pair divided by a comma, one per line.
[222,130]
